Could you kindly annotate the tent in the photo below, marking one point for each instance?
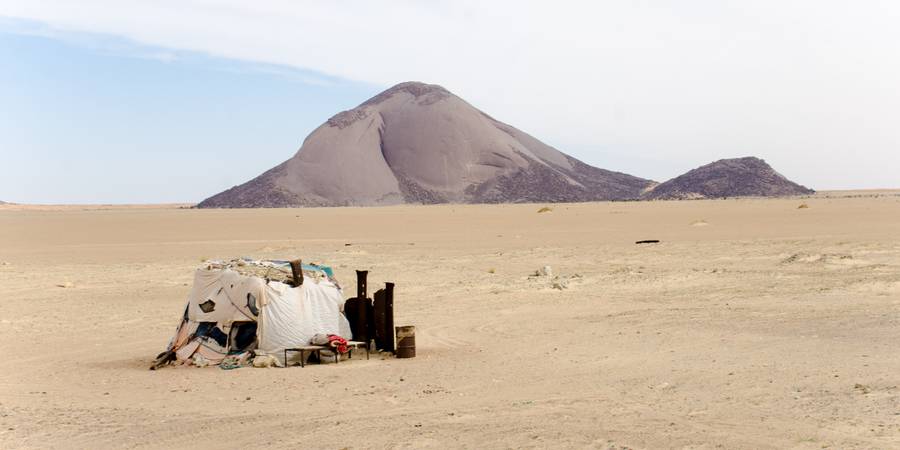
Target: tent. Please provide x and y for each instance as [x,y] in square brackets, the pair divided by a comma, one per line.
[246,305]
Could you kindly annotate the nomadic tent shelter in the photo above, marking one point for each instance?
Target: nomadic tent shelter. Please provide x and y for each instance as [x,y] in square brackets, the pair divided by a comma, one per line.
[264,306]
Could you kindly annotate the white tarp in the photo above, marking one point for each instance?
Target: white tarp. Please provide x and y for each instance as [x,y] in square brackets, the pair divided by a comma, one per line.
[290,317]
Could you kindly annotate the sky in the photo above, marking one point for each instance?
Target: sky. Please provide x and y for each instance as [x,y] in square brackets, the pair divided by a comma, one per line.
[123,101]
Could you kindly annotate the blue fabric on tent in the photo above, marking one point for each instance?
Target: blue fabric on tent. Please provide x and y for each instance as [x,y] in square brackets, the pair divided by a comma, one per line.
[325,269]
[310,267]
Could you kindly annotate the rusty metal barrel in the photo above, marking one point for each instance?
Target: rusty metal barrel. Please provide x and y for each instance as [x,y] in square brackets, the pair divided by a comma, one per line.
[406,342]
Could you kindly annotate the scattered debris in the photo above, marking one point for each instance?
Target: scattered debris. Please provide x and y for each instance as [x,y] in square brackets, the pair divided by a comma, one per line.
[560,283]
[235,361]
[648,241]
[265,361]
[545,271]
[273,270]
[863,389]
[199,361]
[830,258]
[545,209]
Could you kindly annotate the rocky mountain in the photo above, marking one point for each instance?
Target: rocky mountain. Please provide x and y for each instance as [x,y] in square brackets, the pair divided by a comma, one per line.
[419,143]
[738,177]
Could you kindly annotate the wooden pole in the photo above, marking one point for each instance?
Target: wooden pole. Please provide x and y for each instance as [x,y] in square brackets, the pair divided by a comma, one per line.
[297,272]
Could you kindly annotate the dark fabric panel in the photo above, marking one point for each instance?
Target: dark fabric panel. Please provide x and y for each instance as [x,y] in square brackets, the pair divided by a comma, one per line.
[245,336]
[204,328]
[217,335]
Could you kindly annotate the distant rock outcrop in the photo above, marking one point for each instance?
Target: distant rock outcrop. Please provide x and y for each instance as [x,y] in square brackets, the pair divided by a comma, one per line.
[738,177]
[419,143]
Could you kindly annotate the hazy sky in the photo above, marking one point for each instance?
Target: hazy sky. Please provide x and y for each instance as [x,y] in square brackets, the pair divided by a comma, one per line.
[152,101]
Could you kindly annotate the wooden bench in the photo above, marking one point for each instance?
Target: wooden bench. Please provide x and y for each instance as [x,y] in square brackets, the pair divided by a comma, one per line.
[317,349]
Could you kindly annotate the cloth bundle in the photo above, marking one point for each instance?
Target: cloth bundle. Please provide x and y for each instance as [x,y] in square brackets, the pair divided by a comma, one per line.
[331,340]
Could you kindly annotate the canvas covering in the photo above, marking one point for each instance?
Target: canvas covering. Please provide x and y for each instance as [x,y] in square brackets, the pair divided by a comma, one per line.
[223,300]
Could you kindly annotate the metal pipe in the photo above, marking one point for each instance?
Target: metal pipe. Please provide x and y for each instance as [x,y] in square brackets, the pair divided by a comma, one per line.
[361,276]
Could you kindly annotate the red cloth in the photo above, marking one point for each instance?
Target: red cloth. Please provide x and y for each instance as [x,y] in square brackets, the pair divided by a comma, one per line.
[338,342]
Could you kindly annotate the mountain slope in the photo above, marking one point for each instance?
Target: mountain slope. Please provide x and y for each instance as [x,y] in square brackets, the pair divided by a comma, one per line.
[419,143]
[738,177]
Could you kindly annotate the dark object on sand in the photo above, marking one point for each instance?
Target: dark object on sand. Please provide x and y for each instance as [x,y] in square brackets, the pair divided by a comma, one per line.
[162,359]
[359,310]
[648,241]
[406,342]
[384,318]
[297,272]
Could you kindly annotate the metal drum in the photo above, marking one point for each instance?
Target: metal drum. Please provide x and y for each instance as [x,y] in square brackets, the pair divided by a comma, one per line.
[406,342]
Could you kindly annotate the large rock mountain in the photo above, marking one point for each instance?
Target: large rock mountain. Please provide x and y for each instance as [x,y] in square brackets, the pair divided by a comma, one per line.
[419,143]
[738,177]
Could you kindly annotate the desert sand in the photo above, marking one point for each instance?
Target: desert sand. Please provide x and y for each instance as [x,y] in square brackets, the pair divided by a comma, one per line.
[752,324]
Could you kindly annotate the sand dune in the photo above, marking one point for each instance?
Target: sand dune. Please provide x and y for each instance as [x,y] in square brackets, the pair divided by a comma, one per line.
[769,327]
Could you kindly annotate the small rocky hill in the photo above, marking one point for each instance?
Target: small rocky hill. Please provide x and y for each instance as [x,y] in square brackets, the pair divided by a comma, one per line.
[738,177]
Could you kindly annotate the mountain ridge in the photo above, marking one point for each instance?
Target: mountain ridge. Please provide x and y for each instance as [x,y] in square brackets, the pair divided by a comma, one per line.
[417,143]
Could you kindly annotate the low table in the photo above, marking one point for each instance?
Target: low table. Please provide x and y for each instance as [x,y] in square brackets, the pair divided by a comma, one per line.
[356,344]
[317,349]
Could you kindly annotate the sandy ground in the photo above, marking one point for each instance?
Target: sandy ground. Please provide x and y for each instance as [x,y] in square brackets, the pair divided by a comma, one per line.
[753,324]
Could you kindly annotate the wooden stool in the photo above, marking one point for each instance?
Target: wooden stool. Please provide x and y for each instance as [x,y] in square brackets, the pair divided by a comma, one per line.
[356,344]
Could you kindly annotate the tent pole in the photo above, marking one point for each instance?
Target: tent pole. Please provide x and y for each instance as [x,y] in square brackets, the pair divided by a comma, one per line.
[297,272]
